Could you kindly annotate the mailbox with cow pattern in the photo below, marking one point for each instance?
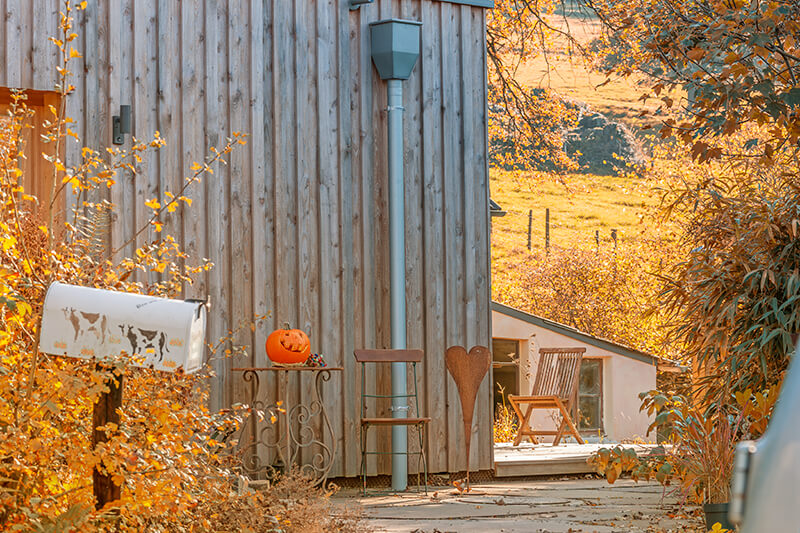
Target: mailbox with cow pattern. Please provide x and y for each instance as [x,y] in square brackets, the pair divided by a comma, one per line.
[89,323]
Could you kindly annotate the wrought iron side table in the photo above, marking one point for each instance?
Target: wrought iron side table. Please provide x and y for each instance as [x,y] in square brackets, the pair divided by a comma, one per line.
[275,433]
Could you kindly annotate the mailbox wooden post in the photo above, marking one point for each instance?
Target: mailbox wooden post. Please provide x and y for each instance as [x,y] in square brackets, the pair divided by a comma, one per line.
[88,323]
[105,411]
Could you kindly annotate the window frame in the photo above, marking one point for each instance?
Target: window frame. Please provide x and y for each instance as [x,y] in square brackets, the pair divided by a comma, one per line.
[600,396]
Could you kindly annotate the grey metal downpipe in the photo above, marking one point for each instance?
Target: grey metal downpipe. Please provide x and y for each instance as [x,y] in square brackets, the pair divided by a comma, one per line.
[395,48]
[397,262]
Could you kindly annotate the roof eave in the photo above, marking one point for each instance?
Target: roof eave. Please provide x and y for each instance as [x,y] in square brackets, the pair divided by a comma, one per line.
[575,334]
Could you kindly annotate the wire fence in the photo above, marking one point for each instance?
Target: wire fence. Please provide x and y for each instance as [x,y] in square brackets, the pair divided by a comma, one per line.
[539,229]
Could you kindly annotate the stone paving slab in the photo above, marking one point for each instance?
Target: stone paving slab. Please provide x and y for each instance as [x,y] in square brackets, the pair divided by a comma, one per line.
[568,506]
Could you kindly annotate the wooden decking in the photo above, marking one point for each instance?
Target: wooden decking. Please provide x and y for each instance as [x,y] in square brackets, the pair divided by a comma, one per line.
[547,460]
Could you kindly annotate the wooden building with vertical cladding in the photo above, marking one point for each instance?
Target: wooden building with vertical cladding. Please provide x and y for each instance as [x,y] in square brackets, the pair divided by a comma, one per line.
[296,224]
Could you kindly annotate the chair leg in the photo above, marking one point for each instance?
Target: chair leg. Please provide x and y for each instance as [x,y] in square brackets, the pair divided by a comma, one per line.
[364,460]
[524,428]
[566,421]
[423,456]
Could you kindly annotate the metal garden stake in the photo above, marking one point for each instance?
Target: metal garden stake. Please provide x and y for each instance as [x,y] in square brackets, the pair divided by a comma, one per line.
[468,370]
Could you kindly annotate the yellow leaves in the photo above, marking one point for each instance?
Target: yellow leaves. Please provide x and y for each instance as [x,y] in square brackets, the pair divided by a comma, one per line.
[74,53]
[8,242]
[24,308]
[153,204]
[81,5]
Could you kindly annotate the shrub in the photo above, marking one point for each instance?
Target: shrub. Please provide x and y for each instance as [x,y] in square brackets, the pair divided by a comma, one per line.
[702,443]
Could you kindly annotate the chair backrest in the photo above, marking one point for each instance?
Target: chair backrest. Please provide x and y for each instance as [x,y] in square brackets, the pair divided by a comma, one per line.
[558,372]
[388,356]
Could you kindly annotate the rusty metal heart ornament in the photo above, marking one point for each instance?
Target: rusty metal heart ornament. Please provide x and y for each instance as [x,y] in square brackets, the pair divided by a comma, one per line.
[468,371]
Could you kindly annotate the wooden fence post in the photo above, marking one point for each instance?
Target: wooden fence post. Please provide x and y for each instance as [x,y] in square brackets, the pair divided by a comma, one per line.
[597,241]
[547,230]
[530,225]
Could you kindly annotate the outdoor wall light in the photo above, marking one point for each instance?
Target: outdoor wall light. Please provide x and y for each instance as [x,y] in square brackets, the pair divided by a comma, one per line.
[355,4]
[121,124]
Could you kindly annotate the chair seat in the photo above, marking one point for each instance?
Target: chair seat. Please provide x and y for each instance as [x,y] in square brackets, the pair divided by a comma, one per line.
[534,399]
[395,421]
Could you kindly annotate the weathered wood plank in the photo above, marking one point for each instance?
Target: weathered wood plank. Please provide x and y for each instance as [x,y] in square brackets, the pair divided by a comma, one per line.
[145,118]
[25,24]
[14,45]
[123,37]
[453,219]
[119,228]
[414,194]
[261,176]
[272,133]
[170,164]
[215,30]
[191,122]
[329,325]
[285,106]
[349,442]
[307,140]
[43,58]
[379,228]
[45,75]
[433,216]
[240,234]
[482,232]
[95,65]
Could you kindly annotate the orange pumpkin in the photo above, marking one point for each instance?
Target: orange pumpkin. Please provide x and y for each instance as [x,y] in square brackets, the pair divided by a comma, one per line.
[288,346]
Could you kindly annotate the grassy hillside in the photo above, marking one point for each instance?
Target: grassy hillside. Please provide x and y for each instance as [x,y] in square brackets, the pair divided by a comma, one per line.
[568,73]
[580,206]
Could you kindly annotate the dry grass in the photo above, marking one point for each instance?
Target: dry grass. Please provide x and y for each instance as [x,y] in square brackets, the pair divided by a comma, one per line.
[571,76]
[292,505]
[585,204]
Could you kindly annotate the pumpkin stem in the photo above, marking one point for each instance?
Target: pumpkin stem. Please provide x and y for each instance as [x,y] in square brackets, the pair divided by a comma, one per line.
[286,325]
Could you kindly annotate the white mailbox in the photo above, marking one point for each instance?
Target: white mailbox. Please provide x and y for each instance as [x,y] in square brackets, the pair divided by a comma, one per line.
[91,323]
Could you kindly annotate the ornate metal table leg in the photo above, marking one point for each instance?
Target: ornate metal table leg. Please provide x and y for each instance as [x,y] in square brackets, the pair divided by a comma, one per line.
[325,375]
[307,437]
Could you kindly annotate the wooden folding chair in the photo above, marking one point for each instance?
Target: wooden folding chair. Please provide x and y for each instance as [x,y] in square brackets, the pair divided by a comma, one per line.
[555,387]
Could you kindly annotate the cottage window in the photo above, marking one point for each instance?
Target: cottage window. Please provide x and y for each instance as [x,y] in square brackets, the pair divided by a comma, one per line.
[590,396]
[505,364]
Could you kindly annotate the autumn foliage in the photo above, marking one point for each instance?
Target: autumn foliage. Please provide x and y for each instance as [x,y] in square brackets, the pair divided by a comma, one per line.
[609,292]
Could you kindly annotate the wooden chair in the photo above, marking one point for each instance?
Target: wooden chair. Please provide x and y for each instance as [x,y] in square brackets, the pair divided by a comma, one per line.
[555,387]
[392,356]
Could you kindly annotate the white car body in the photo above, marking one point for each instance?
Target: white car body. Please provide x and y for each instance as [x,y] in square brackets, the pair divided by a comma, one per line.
[765,495]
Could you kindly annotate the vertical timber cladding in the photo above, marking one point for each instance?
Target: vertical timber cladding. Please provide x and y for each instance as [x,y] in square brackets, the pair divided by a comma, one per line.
[296,224]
